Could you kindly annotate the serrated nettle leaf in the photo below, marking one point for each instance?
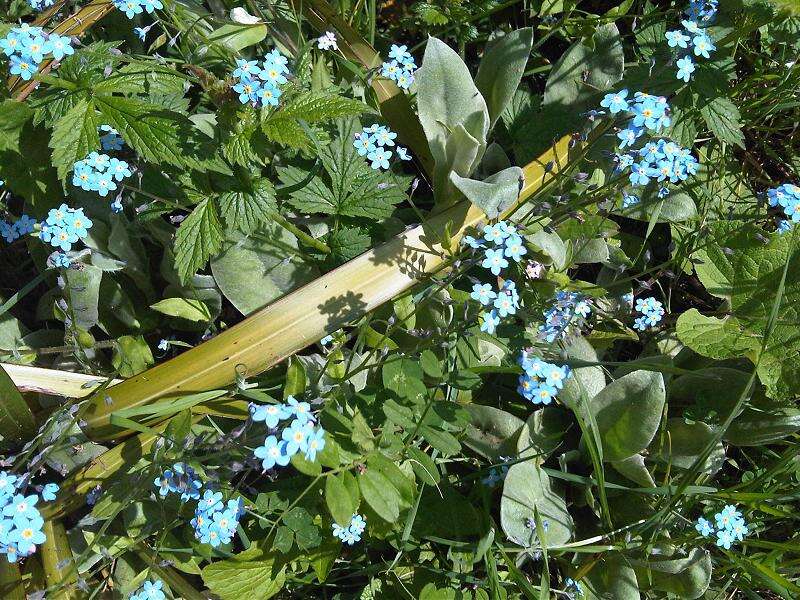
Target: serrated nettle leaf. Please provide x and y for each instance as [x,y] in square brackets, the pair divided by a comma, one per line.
[74,137]
[198,238]
[628,412]
[495,194]
[501,69]
[350,188]
[159,135]
[248,206]
[723,119]
[249,574]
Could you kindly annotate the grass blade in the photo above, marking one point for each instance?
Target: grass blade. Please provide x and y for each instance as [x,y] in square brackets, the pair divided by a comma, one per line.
[16,419]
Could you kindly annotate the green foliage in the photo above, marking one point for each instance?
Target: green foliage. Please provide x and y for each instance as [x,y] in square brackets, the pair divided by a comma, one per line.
[350,187]
[198,238]
[748,273]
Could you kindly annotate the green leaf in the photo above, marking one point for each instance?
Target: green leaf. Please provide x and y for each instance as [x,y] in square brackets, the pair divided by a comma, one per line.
[317,107]
[193,310]
[238,36]
[447,97]
[568,85]
[74,137]
[613,578]
[685,577]
[159,135]
[424,466]
[527,488]
[254,270]
[248,207]
[381,495]
[492,432]
[199,237]
[338,500]
[82,291]
[493,195]
[16,419]
[628,412]
[501,69]
[250,574]
[685,442]
[131,355]
[757,427]
[715,338]
[461,155]
[586,382]
[351,188]
[283,127]
[403,376]
[739,265]
[145,77]
[675,208]
[634,469]
[543,432]
[723,119]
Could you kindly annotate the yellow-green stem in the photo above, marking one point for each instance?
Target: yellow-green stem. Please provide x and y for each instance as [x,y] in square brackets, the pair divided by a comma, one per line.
[59,566]
[11,587]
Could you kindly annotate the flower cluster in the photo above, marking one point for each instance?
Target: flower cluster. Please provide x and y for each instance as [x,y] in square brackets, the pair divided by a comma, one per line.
[131,8]
[259,84]
[99,173]
[573,588]
[26,48]
[40,4]
[728,527]
[700,15]
[214,522]
[657,159]
[400,67]
[499,243]
[299,436]
[13,231]
[495,476]
[327,41]
[63,227]
[541,380]
[652,312]
[567,315]
[181,479]
[787,196]
[350,533]
[374,143]
[20,521]
[110,139]
[151,590]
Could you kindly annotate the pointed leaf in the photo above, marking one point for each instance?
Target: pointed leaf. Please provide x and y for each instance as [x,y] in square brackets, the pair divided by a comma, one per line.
[501,69]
